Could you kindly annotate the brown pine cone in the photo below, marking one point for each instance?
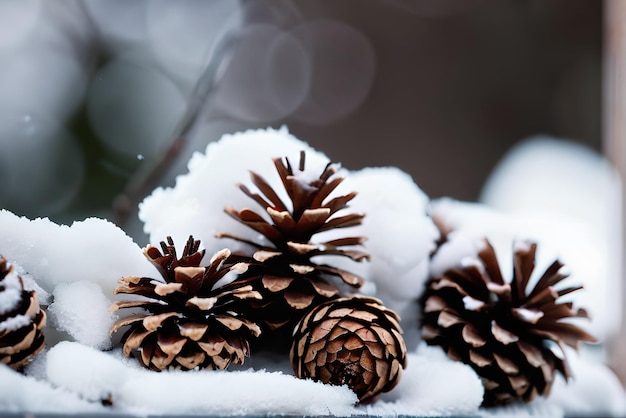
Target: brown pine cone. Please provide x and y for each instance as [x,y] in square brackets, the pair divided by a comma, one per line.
[21,319]
[284,272]
[352,341]
[511,334]
[189,322]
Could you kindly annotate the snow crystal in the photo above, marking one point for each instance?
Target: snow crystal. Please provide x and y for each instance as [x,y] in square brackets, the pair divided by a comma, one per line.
[81,310]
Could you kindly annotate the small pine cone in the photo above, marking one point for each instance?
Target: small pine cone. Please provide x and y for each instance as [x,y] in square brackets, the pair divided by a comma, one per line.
[21,319]
[189,322]
[352,341]
[283,271]
[511,334]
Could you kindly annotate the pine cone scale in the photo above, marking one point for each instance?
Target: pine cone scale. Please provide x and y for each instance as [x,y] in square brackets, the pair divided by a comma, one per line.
[350,341]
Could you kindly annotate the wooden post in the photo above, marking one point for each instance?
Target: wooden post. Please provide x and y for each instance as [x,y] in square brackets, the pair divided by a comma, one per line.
[614,143]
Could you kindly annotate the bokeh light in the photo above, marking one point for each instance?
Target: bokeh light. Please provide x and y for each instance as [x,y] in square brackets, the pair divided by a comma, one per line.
[181,34]
[133,107]
[267,77]
[42,167]
[342,69]
[17,19]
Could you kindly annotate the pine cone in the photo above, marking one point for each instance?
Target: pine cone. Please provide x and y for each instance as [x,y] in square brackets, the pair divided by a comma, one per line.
[507,332]
[352,341]
[283,273]
[189,322]
[21,319]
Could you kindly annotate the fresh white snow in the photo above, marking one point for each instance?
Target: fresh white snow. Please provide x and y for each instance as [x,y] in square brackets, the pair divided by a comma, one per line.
[76,268]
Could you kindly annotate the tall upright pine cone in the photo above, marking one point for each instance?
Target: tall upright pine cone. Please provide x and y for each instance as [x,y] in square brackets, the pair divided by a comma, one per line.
[189,322]
[512,334]
[353,341]
[283,272]
[21,319]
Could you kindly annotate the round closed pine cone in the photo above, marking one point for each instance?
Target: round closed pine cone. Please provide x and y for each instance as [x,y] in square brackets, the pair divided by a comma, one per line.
[353,341]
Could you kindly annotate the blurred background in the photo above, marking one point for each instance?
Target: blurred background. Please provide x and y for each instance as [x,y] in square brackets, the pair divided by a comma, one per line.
[104,98]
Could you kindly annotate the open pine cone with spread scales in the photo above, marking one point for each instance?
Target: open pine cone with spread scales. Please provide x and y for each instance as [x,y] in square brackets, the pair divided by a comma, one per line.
[290,282]
[352,341]
[189,323]
[21,319]
[512,334]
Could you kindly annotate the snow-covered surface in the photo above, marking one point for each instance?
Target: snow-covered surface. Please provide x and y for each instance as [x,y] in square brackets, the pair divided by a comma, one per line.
[561,195]
[196,204]
[75,268]
[400,235]
[78,266]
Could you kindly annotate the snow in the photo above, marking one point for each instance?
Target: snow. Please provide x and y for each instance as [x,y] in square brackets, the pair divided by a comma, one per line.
[432,385]
[12,294]
[81,310]
[15,322]
[95,375]
[93,249]
[196,204]
[567,239]
[75,268]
